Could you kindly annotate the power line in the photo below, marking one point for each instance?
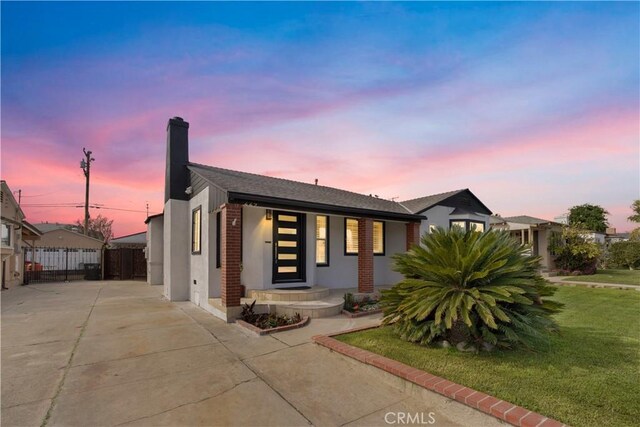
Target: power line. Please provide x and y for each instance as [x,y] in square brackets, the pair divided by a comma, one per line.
[79,205]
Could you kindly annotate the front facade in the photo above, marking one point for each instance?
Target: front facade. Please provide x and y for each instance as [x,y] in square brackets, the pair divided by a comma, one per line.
[226,233]
[536,232]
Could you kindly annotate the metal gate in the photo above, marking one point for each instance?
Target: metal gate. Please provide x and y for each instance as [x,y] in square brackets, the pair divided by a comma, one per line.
[61,264]
[125,264]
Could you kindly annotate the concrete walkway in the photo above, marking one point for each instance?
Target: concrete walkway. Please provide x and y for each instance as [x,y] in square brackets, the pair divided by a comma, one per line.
[566,280]
[113,353]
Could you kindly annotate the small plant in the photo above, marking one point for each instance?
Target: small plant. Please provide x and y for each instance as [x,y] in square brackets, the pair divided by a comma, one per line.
[267,320]
[348,301]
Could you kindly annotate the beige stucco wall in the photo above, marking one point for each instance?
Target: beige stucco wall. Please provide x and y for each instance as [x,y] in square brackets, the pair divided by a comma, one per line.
[11,269]
[68,239]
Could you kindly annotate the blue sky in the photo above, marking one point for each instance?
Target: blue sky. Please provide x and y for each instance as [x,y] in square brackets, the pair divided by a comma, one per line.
[533,106]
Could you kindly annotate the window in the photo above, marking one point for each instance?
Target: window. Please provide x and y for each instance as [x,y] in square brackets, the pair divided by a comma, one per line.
[459,224]
[195,230]
[432,228]
[351,237]
[322,240]
[218,231]
[6,235]
[467,225]
[378,238]
[476,226]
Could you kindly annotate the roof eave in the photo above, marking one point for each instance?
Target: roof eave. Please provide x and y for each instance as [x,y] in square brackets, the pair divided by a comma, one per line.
[276,202]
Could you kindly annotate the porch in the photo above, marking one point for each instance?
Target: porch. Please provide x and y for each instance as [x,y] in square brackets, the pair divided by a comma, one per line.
[315,302]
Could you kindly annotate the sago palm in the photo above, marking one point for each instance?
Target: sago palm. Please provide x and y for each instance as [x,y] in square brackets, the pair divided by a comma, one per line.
[470,287]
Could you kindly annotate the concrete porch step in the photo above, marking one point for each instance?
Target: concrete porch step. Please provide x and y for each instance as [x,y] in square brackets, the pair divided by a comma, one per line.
[312,294]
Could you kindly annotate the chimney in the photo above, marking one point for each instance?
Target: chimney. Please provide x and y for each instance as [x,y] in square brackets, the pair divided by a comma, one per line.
[177,174]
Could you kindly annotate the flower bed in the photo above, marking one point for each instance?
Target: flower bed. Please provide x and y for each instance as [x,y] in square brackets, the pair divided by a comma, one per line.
[360,305]
[268,323]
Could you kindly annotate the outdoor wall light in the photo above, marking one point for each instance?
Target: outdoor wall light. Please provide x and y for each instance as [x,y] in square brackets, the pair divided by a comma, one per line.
[269,214]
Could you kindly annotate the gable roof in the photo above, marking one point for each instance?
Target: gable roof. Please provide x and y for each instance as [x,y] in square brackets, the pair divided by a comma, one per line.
[450,198]
[526,219]
[5,192]
[249,187]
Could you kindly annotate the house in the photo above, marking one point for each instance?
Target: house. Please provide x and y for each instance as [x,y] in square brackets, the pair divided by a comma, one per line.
[459,208]
[536,232]
[16,235]
[63,248]
[224,234]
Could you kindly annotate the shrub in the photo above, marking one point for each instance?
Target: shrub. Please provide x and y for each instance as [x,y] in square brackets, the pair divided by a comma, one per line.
[574,253]
[624,255]
[479,289]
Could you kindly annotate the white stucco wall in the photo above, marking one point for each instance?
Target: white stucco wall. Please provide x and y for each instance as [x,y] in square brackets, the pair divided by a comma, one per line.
[177,239]
[257,250]
[395,242]
[155,250]
[200,264]
[342,271]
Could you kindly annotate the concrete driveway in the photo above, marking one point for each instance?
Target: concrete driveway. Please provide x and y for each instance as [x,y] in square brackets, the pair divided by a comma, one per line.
[111,353]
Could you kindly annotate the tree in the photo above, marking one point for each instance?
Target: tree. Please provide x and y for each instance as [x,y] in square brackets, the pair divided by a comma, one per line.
[635,207]
[99,228]
[589,217]
[470,289]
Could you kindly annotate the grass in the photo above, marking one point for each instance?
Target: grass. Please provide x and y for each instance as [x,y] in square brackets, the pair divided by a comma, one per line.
[589,375]
[621,277]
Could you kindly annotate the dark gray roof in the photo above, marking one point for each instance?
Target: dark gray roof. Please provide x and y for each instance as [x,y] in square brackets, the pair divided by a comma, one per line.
[526,219]
[284,189]
[46,227]
[131,238]
[422,203]
[463,200]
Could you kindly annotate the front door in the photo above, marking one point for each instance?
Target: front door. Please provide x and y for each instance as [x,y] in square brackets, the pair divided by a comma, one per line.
[288,247]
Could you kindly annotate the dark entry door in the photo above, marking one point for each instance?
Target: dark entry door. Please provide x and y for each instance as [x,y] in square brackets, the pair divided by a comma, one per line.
[288,247]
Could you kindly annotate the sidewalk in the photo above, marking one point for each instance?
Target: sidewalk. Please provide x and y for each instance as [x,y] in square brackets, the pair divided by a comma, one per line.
[566,280]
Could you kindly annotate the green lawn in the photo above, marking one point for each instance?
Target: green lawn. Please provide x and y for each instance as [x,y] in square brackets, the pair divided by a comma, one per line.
[590,375]
[622,277]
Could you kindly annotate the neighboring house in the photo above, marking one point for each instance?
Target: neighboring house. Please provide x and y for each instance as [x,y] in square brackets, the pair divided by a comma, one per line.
[614,237]
[62,247]
[223,232]
[16,233]
[130,241]
[536,232]
[459,208]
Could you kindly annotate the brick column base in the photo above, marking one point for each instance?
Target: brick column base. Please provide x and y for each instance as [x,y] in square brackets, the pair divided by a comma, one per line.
[413,234]
[365,255]
[230,257]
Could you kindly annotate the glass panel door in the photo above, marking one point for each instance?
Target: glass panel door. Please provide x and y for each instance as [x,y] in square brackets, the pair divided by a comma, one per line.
[288,247]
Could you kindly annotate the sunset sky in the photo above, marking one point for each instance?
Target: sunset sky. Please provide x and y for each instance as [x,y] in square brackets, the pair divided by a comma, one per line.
[533,106]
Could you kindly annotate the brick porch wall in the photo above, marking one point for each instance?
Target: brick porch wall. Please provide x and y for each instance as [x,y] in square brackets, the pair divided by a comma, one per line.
[413,234]
[230,236]
[365,255]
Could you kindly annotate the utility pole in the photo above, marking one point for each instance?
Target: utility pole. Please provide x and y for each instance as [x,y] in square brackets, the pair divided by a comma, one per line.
[86,168]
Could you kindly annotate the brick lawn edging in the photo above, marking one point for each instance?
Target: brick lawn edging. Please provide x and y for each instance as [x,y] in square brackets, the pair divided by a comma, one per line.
[503,410]
[258,331]
[361,313]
